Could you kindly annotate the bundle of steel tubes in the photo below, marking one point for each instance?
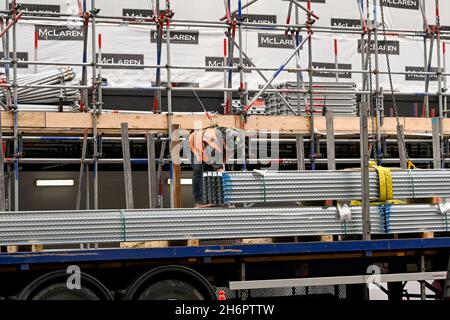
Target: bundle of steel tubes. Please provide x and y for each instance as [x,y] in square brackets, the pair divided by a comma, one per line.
[344,105]
[106,226]
[293,186]
[30,93]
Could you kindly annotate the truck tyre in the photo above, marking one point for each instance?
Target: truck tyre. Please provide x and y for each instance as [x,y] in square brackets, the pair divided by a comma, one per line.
[52,286]
[171,289]
[171,283]
[59,291]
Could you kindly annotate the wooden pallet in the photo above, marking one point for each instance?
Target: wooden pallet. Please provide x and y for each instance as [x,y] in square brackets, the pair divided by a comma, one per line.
[160,244]
[29,248]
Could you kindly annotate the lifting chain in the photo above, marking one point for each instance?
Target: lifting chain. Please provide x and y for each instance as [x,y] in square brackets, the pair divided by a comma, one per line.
[394,100]
[371,95]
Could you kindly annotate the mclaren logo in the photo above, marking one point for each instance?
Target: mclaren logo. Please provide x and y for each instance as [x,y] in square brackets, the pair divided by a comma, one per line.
[58,33]
[319,68]
[413,76]
[266,40]
[122,60]
[346,23]
[21,56]
[181,37]
[391,47]
[404,4]
[217,62]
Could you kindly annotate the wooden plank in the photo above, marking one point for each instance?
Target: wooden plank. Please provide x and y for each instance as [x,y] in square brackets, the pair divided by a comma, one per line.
[127,167]
[326,238]
[175,189]
[300,142]
[148,244]
[135,121]
[331,152]
[192,122]
[298,125]
[68,121]
[342,125]
[417,125]
[257,241]
[62,123]
[151,171]
[437,161]
[81,173]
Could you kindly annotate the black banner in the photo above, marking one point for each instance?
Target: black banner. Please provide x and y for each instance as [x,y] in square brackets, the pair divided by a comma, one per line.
[347,23]
[21,56]
[404,4]
[43,8]
[320,66]
[122,59]
[268,40]
[392,47]
[219,62]
[137,13]
[178,37]
[419,77]
[58,33]
[259,18]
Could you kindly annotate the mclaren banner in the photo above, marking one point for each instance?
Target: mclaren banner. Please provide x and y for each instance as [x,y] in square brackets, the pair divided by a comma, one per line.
[131,46]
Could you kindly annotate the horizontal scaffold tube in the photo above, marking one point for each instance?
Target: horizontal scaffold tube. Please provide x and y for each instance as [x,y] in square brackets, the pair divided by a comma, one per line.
[292,186]
[106,226]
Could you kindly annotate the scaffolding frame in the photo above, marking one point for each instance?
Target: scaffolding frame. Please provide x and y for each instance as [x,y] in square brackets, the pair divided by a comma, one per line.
[162,22]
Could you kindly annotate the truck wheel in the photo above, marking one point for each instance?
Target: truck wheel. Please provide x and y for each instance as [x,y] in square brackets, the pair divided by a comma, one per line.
[171,289]
[171,283]
[59,291]
[52,286]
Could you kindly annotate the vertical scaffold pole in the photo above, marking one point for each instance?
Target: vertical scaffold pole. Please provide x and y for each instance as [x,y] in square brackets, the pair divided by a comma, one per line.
[94,101]
[100,78]
[439,74]
[426,102]
[311,84]
[84,92]
[127,167]
[2,171]
[151,171]
[444,70]
[231,36]
[159,35]
[242,86]
[36,50]
[336,58]
[378,89]
[364,133]
[16,113]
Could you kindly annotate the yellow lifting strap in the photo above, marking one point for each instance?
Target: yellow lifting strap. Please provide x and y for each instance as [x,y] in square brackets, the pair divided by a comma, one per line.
[358,203]
[385,181]
[411,165]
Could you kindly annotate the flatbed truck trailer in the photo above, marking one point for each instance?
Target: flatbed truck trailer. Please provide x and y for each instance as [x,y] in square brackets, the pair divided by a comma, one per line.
[334,270]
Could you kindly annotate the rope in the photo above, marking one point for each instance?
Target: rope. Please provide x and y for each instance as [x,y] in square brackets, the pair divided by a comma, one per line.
[124,225]
[345,228]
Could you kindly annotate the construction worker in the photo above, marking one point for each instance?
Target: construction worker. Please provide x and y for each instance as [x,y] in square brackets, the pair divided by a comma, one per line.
[210,150]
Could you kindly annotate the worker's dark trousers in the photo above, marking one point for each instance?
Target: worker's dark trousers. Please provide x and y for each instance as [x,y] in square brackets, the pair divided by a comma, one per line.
[197,181]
